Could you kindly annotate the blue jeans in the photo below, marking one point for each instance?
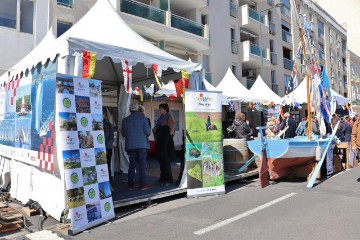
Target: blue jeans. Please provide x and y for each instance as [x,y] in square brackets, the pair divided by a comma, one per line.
[137,156]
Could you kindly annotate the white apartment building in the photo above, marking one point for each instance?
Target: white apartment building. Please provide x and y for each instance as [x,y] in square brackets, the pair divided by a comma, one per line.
[218,34]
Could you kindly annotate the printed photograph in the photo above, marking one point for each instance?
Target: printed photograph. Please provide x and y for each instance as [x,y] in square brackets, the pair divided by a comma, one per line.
[67,121]
[194,172]
[193,151]
[95,88]
[71,159]
[64,84]
[97,123]
[203,127]
[82,104]
[100,156]
[104,189]
[93,211]
[89,175]
[213,171]
[23,102]
[86,139]
[75,197]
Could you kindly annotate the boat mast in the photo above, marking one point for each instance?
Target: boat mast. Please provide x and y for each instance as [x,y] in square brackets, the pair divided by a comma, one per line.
[307,58]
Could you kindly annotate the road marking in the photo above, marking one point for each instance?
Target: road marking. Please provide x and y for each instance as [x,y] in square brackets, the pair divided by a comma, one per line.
[242,215]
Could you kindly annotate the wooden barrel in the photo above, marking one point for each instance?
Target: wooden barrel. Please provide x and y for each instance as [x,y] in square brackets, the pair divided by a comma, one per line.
[236,153]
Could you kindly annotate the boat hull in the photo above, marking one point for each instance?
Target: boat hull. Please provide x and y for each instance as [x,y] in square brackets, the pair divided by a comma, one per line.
[285,154]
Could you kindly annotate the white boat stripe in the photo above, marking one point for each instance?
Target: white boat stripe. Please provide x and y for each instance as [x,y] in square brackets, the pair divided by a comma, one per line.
[242,215]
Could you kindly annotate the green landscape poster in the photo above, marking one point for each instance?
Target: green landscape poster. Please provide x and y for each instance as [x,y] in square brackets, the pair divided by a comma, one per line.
[204,147]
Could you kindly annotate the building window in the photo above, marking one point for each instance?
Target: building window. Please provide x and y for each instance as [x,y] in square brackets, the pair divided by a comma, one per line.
[8,13]
[67,3]
[320,30]
[233,69]
[286,82]
[204,19]
[27,16]
[62,27]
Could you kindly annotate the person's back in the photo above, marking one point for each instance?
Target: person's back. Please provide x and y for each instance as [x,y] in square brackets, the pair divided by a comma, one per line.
[136,129]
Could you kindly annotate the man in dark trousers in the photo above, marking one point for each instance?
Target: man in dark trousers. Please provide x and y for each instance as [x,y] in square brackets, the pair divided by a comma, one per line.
[109,141]
[288,122]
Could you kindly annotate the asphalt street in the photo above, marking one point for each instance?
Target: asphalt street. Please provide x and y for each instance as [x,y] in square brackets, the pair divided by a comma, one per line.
[283,210]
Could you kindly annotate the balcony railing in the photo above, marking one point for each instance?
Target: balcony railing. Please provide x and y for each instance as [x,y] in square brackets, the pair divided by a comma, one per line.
[286,36]
[142,10]
[285,10]
[256,16]
[275,87]
[67,3]
[273,58]
[208,77]
[234,47]
[187,25]
[321,55]
[256,50]
[233,10]
[7,22]
[272,28]
[288,64]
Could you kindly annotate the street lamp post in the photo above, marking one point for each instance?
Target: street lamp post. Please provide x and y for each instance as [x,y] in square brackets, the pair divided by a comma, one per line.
[260,39]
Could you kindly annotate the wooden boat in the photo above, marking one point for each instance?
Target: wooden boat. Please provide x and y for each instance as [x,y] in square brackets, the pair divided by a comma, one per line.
[285,154]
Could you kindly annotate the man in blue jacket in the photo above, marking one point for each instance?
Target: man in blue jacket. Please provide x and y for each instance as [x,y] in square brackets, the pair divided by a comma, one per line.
[136,130]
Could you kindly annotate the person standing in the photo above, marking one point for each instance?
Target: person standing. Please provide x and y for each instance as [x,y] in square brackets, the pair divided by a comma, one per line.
[347,126]
[109,141]
[136,130]
[290,123]
[163,134]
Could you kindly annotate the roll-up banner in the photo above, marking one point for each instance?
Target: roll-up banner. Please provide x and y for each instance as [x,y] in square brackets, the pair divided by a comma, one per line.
[204,146]
[81,147]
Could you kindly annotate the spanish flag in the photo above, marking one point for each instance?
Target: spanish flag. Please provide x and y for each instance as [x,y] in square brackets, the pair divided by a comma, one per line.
[185,78]
[89,62]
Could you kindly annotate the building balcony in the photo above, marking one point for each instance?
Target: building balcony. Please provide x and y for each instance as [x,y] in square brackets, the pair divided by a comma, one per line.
[286,37]
[288,64]
[156,24]
[186,5]
[273,58]
[250,55]
[251,20]
[66,3]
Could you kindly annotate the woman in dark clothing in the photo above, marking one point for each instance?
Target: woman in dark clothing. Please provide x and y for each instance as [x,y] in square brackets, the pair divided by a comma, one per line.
[163,134]
[241,128]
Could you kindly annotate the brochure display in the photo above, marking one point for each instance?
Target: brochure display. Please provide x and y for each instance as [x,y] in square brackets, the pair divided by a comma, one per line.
[81,147]
[204,151]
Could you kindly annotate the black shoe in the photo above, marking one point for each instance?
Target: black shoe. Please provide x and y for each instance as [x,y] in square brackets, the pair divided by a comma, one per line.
[358,179]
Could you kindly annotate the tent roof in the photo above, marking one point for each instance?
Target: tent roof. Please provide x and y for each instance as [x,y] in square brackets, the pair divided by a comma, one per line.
[299,95]
[232,88]
[103,31]
[261,91]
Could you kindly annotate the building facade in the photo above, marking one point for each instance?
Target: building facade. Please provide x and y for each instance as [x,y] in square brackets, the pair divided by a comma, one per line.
[249,36]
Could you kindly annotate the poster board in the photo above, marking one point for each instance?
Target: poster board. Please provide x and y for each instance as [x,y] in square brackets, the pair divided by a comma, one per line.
[81,148]
[204,143]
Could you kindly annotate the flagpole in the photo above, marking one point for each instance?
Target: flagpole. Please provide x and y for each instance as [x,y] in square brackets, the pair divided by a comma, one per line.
[307,84]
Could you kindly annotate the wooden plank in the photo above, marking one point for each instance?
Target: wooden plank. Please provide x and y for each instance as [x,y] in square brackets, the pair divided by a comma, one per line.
[10,216]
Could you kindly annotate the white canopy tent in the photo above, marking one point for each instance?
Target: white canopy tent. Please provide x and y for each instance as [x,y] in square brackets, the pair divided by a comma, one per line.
[232,89]
[261,91]
[101,31]
[299,96]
